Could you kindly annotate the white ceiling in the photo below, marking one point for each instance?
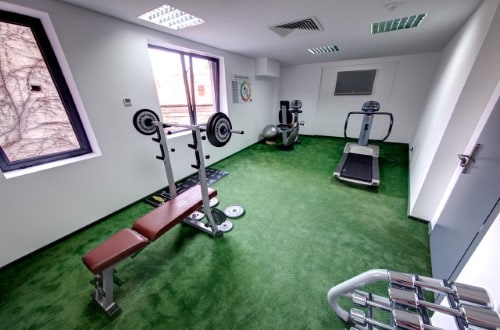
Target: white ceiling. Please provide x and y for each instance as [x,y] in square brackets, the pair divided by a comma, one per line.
[242,26]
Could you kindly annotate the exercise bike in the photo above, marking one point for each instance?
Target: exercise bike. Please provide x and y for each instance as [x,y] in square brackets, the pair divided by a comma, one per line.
[289,123]
[359,162]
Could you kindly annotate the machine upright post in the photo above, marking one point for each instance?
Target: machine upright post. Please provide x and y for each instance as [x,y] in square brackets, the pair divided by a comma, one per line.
[202,175]
[366,127]
[166,160]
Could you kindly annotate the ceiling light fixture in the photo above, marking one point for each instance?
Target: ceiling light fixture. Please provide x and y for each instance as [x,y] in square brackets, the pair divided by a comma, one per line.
[398,24]
[171,18]
[324,49]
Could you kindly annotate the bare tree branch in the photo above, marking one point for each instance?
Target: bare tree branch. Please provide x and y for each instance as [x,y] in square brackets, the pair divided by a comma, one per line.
[33,120]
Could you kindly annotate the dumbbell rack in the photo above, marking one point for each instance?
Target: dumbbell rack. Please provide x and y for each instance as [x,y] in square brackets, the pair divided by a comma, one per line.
[470,306]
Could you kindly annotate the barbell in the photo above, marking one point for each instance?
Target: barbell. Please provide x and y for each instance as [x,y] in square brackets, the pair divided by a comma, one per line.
[218,127]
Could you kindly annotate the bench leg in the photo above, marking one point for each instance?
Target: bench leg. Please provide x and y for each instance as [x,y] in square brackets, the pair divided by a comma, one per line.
[103,294]
[201,226]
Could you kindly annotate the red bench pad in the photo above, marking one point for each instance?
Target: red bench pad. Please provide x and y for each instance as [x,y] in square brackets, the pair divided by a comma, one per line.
[116,248]
[163,218]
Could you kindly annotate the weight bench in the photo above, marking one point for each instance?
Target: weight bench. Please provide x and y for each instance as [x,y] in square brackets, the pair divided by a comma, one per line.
[103,259]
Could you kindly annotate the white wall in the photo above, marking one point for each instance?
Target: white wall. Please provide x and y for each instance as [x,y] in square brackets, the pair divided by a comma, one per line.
[300,82]
[109,61]
[481,269]
[465,80]
[401,86]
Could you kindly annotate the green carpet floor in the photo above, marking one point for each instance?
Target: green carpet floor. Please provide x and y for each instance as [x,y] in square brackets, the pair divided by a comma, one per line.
[302,233]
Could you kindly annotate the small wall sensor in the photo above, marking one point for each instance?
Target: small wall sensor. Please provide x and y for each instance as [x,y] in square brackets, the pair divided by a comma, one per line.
[127,101]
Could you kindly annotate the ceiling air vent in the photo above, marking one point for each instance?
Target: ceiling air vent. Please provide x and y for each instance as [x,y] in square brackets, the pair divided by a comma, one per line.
[297,27]
[324,49]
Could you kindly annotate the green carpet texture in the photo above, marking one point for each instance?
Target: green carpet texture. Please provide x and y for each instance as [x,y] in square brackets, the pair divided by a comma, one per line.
[302,233]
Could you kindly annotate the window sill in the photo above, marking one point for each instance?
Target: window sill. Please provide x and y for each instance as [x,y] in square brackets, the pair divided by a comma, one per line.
[42,167]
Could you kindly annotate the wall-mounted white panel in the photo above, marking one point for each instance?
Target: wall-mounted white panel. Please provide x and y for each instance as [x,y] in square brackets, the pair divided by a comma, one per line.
[267,67]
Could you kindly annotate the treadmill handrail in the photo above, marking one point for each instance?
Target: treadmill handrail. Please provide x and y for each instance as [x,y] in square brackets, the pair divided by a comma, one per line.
[391,118]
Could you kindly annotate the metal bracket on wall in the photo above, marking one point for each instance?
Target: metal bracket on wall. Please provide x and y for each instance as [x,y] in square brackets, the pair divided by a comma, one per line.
[467,160]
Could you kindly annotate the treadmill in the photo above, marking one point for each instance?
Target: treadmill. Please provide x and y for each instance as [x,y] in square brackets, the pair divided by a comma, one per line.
[359,162]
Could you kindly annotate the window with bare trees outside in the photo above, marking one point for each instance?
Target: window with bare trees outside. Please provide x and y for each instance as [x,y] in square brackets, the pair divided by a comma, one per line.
[39,121]
[187,85]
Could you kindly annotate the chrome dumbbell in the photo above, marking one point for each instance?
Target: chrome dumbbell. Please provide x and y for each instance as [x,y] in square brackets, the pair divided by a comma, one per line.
[472,315]
[364,299]
[406,320]
[359,317]
[462,292]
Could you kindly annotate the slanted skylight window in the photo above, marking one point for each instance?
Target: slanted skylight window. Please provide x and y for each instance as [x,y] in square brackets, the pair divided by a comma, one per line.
[41,123]
[171,17]
[324,49]
[398,23]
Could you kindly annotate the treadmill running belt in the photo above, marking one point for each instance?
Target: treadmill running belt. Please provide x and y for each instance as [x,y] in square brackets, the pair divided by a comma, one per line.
[358,167]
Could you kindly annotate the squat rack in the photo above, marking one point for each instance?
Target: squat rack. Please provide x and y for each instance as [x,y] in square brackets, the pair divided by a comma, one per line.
[218,130]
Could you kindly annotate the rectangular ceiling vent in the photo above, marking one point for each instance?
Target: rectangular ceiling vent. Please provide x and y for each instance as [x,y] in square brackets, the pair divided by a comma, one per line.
[324,49]
[297,27]
[396,24]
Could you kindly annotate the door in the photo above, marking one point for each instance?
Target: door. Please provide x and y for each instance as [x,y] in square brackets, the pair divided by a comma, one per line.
[472,205]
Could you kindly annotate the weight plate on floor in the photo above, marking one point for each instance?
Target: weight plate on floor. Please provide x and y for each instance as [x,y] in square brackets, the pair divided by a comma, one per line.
[234,211]
[214,202]
[225,226]
[144,121]
[196,215]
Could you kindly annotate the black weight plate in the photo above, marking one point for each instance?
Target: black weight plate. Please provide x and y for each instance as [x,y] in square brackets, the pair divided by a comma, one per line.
[223,130]
[144,121]
[219,129]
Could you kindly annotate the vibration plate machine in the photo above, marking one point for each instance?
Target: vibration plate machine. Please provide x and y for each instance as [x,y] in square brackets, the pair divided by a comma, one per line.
[359,162]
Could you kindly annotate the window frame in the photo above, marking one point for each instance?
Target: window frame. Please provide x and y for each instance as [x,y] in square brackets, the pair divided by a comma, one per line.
[49,47]
[189,87]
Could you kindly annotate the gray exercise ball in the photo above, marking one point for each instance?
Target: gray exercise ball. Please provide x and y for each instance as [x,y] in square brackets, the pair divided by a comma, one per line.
[270,132]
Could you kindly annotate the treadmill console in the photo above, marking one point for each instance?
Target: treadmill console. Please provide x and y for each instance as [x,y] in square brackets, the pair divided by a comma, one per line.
[371,106]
